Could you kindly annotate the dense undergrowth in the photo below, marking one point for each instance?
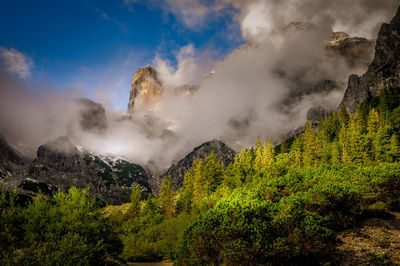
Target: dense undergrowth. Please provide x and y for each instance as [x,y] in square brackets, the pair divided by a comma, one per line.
[271,206]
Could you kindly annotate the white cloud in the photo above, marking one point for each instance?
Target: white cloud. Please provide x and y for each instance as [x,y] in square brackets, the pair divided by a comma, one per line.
[16,62]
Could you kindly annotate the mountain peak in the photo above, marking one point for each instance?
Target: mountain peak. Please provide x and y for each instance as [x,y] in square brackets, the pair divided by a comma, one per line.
[384,70]
[145,88]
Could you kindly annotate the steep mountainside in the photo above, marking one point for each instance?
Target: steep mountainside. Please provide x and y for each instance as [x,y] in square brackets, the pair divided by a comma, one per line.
[60,165]
[93,115]
[384,70]
[178,170]
[12,164]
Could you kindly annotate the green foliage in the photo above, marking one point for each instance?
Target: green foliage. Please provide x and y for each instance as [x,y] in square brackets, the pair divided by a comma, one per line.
[67,230]
[166,200]
[243,229]
[135,205]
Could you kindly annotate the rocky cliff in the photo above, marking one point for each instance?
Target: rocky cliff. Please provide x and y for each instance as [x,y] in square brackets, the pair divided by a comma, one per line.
[12,164]
[62,164]
[145,88]
[357,51]
[383,71]
[59,165]
[178,170]
[93,115]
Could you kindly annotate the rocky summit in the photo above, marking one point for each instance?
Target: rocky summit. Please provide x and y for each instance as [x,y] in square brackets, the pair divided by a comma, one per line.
[384,70]
[178,170]
[357,51]
[145,88]
[93,115]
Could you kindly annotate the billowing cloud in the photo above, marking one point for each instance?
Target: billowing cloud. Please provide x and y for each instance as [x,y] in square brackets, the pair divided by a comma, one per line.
[357,17]
[15,62]
[264,88]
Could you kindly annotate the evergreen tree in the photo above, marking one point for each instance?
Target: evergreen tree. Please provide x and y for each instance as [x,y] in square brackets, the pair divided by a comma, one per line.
[309,144]
[343,115]
[373,126]
[296,154]
[212,172]
[381,144]
[283,145]
[166,198]
[394,148]
[134,207]
[356,144]
[267,156]
[198,184]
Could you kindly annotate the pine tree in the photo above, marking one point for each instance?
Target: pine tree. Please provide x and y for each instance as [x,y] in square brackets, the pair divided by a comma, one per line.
[267,156]
[134,207]
[356,143]
[381,144]
[343,115]
[198,185]
[186,192]
[212,172]
[258,156]
[166,198]
[394,148]
[373,125]
[283,145]
[309,145]
[336,153]
[296,153]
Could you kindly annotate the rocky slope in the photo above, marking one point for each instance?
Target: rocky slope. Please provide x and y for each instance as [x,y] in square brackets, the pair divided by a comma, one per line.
[93,115]
[383,71]
[178,170]
[357,51]
[12,165]
[60,165]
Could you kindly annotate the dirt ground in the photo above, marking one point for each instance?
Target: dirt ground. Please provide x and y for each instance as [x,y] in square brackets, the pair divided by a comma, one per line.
[375,242]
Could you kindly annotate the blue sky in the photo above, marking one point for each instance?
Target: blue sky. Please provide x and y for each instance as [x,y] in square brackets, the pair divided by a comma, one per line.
[97,45]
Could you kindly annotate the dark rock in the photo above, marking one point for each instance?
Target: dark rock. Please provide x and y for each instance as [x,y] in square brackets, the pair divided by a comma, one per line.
[35,186]
[8,154]
[384,70]
[357,51]
[93,115]
[315,114]
[111,179]
[178,170]
[12,165]
[145,87]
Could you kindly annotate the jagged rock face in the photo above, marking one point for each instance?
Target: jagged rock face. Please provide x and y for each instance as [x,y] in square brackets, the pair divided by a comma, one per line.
[299,88]
[8,154]
[145,88]
[12,164]
[357,51]
[178,170]
[93,115]
[61,164]
[383,71]
[315,114]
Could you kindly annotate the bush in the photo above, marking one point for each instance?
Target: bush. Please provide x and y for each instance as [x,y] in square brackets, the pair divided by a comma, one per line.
[244,230]
[67,230]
